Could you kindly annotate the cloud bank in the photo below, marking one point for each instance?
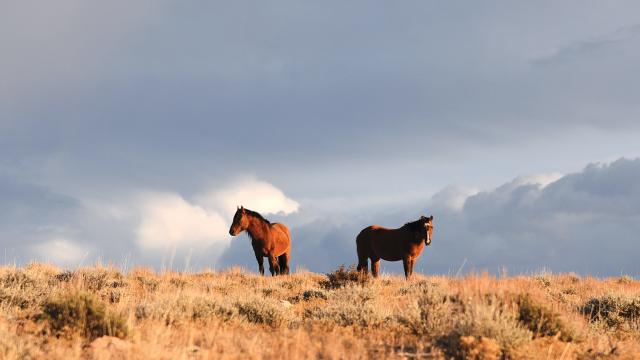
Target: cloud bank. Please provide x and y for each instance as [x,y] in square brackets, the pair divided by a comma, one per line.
[587,222]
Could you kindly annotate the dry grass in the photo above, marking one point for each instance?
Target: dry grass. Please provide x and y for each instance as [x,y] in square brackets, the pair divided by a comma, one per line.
[100,313]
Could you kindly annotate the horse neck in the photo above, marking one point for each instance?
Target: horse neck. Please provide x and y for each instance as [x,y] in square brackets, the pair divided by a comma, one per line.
[257,228]
[415,235]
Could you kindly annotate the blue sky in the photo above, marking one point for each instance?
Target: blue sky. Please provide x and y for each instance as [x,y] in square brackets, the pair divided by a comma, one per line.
[129,132]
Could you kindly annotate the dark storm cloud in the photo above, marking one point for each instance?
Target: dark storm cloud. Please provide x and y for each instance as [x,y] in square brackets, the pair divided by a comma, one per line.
[184,85]
[583,222]
[28,211]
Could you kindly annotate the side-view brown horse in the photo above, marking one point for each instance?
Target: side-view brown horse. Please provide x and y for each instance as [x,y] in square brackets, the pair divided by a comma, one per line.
[405,243]
[272,241]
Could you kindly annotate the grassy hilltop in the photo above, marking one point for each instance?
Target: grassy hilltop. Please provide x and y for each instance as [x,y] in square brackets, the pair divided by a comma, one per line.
[101,313]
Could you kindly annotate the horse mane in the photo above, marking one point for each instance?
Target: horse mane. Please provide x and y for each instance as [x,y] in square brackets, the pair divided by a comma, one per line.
[414,225]
[257,215]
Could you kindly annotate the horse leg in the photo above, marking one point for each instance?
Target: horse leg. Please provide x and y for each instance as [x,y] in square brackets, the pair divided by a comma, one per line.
[363,265]
[283,261]
[260,259]
[274,268]
[375,267]
[363,255]
[406,263]
[363,262]
[411,265]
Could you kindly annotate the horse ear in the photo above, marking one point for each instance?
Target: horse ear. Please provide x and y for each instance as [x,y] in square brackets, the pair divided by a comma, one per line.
[431,218]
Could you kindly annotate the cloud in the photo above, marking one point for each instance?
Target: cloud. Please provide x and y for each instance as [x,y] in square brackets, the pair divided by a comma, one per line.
[61,251]
[168,222]
[585,222]
[256,195]
[145,227]
[451,197]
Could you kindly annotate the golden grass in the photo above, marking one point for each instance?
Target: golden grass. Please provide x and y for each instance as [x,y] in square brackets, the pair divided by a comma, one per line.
[48,313]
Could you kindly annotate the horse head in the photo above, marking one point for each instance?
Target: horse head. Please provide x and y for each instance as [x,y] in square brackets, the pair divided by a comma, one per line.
[428,228]
[240,222]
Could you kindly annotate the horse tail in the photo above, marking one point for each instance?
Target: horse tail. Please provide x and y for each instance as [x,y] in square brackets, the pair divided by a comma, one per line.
[363,246]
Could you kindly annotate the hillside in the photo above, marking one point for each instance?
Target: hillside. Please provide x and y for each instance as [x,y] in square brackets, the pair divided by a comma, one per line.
[99,312]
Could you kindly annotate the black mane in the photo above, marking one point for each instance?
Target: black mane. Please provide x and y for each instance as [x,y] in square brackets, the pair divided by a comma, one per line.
[257,215]
[414,225]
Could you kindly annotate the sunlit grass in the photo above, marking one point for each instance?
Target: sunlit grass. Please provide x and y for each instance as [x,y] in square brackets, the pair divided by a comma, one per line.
[99,312]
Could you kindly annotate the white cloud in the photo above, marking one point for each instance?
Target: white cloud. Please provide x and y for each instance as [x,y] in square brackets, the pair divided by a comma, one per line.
[451,197]
[537,179]
[169,222]
[61,251]
[256,195]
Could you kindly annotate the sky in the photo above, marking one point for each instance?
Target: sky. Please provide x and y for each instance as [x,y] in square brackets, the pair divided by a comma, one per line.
[129,132]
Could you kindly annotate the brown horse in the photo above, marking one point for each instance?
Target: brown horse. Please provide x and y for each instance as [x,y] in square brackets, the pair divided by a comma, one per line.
[405,243]
[268,240]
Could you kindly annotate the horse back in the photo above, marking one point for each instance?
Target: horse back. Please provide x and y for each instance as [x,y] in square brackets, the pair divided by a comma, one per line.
[283,228]
[281,237]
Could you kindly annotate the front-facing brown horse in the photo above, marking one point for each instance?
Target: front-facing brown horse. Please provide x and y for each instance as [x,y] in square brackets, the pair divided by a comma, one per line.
[405,243]
[272,241]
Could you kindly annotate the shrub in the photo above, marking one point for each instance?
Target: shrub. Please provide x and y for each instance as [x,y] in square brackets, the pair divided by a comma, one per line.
[21,288]
[436,311]
[343,276]
[94,280]
[416,287]
[479,348]
[13,298]
[264,311]
[349,306]
[541,320]
[625,279]
[309,295]
[543,280]
[314,294]
[82,313]
[178,283]
[491,319]
[204,308]
[185,308]
[17,280]
[65,276]
[148,284]
[613,311]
